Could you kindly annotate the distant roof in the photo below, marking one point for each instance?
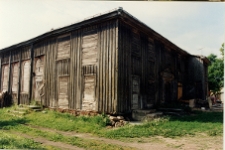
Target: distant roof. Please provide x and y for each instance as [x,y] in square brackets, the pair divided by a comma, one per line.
[115,13]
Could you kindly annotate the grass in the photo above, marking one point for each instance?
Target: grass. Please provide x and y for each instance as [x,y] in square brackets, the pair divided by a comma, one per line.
[202,122]
[199,122]
[72,140]
[10,141]
[67,122]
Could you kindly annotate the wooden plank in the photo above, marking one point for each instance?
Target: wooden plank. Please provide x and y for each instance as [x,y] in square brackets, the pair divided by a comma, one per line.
[25,76]
[110,67]
[116,69]
[89,93]
[39,77]
[90,49]
[113,64]
[31,50]
[79,75]
[63,92]
[15,78]
[91,40]
[63,49]
[19,76]
[9,74]
[5,74]
[107,69]
[89,44]
[100,69]
[90,36]
[104,70]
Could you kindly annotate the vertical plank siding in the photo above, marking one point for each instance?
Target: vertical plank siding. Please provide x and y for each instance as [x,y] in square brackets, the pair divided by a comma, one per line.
[107,73]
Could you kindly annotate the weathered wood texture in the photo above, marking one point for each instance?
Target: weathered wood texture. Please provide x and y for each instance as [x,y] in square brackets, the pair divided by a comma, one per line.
[25,75]
[15,80]
[154,65]
[107,74]
[5,74]
[38,78]
[89,101]
[63,92]
[196,85]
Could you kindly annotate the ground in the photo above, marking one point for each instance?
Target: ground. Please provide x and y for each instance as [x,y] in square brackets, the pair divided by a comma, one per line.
[52,130]
[197,142]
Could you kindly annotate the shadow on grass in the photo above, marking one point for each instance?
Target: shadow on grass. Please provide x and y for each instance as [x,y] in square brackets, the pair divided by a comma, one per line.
[197,116]
[14,122]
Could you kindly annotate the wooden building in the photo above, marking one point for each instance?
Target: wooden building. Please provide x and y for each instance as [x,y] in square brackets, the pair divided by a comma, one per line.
[110,63]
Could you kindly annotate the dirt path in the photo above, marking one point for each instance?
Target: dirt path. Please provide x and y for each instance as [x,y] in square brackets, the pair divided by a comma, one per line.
[197,142]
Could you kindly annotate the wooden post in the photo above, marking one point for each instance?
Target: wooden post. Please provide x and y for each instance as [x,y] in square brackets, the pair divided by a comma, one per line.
[31,72]
[19,77]
[9,75]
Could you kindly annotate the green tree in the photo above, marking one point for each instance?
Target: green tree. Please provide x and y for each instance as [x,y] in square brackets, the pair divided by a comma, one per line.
[216,72]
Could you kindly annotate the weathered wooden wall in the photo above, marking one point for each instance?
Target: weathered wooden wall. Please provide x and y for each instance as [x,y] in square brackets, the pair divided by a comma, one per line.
[73,70]
[137,74]
[148,70]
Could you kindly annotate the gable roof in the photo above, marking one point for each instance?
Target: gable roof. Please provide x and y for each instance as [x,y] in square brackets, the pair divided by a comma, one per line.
[115,13]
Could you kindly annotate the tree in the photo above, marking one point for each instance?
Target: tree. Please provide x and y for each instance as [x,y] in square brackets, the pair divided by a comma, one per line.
[216,72]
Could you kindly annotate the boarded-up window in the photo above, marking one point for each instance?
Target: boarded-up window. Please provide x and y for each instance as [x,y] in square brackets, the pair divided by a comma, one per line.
[89,49]
[5,74]
[63,48]
[26,76]
[135,91]
[15,71]
[63,92]
[136,44]
[151,52]
[89,93]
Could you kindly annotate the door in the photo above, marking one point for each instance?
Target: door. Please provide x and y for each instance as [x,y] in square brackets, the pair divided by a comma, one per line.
[39,76]
[135,92]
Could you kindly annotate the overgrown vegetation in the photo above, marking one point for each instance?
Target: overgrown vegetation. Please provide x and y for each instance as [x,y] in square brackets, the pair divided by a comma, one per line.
[210,123]
[216,71]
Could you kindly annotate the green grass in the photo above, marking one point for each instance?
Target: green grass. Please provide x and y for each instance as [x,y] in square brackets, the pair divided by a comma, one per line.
[10,141]
[202,122]
[210,123]
[72,140]
[67,122]
[59,121]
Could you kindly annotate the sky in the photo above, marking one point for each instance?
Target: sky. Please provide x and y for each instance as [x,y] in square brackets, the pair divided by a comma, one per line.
[196,27]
